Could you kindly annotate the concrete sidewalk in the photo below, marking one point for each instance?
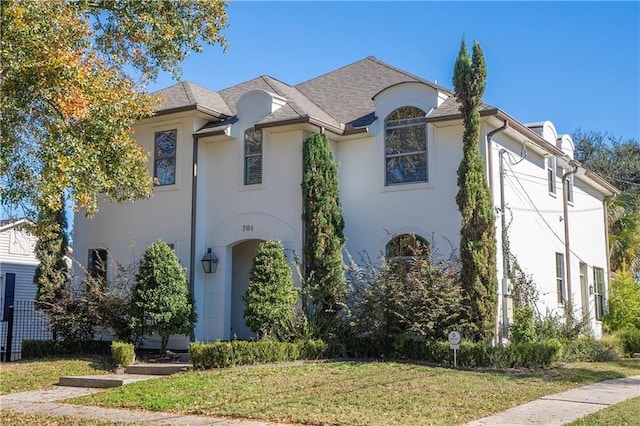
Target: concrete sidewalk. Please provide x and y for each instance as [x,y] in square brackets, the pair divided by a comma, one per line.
[550,410]
[565,407]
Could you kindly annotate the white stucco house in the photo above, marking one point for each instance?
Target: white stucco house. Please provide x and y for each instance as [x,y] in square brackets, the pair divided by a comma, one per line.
[229,167]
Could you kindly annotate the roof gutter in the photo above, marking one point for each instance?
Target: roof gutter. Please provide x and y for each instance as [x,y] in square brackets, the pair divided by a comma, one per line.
[303,120]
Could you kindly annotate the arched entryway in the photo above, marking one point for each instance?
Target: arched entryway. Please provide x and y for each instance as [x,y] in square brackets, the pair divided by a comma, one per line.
[242,260]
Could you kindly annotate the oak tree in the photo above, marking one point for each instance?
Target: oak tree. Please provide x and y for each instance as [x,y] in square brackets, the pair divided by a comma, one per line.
[72,80]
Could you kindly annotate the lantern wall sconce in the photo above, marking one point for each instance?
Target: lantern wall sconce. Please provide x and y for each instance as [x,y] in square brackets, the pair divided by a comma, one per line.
[209,262]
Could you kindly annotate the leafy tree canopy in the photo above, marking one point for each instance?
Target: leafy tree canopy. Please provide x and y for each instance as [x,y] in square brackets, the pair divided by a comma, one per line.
[72,75]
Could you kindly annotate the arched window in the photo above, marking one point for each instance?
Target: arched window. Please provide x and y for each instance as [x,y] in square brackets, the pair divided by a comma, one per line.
[406,246]
[405,146]
[252,157]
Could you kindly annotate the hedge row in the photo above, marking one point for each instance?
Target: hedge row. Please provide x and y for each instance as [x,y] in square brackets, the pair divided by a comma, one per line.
[227,354]
[530,355]
[46,348]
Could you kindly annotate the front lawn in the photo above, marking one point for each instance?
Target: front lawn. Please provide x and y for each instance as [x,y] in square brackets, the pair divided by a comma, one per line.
[626,413]
[26,375]
[354,393]
[8,417]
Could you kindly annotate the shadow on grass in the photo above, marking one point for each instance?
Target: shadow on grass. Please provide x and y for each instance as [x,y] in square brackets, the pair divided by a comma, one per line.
[97,362]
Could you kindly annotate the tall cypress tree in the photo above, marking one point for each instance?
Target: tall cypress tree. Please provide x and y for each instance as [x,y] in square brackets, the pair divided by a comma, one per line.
[477,232]
[324,226]
[50,276]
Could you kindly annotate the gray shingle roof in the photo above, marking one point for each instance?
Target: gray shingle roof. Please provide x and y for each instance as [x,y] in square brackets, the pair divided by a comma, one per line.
[340,98]
[347,92]
[451,107]
[186,94]
[298,105]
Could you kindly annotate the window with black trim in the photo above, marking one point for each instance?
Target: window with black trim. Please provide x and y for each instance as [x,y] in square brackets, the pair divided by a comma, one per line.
[164,168]
[407,246]
[97,264]
[405,146]
[253,157]
[560,282]
[599,292]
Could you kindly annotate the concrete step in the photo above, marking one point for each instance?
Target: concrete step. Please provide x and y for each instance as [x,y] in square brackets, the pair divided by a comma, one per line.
[106,381]
[157,369]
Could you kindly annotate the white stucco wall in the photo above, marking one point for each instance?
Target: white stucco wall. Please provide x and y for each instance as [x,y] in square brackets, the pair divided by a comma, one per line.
[231,212]
[535,221]
[126,229]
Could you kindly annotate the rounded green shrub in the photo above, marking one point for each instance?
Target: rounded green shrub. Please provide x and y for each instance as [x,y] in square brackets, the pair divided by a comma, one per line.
[122,354]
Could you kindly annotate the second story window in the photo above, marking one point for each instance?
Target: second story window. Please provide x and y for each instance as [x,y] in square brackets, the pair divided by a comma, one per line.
[97,264]
[253,157]
[405,146]
[165,157]
[550,164]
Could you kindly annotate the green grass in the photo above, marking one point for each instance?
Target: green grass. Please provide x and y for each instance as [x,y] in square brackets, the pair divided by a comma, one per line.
[26,375]
[8,417]
[626,413]
[354,393]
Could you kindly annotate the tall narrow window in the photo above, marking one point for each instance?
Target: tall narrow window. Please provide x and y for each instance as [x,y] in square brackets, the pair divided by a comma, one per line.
[550,163]
[97,264]
[165,157]
[405,146]
[599,292]
[560,278]
[253,157]
[9,294]
[569,184]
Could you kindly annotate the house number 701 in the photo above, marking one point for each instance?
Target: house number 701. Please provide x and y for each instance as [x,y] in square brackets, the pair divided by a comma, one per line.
[247,228]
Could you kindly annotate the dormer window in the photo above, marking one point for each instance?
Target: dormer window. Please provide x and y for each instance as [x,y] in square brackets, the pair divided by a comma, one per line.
[405,146]
[253,157]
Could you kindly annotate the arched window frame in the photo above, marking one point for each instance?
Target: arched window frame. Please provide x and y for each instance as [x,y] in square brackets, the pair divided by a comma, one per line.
[412,246]
[405,146]
[253,143]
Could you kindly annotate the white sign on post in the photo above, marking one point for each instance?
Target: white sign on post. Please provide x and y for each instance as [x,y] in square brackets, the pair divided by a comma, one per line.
[454,340]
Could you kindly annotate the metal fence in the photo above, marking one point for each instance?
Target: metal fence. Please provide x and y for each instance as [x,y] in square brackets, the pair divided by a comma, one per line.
[23,322]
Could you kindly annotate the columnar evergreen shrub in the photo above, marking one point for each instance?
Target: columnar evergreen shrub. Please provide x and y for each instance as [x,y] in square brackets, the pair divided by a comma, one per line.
[271,295]
[161,302]
[53,295]
[324,238]
[477,233]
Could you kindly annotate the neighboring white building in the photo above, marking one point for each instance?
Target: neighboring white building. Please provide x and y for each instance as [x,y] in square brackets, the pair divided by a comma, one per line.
[18,263]
[17,267]
[229,169]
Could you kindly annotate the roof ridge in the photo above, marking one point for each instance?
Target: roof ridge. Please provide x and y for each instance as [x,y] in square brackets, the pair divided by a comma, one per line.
[289,101]
[186,86]
[408,74]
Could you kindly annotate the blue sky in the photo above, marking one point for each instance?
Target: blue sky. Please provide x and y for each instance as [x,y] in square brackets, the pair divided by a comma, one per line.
[576,64]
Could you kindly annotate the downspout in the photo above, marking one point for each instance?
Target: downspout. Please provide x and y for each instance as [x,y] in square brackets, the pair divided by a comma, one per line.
[502,301]
[194,198]
[567,250]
